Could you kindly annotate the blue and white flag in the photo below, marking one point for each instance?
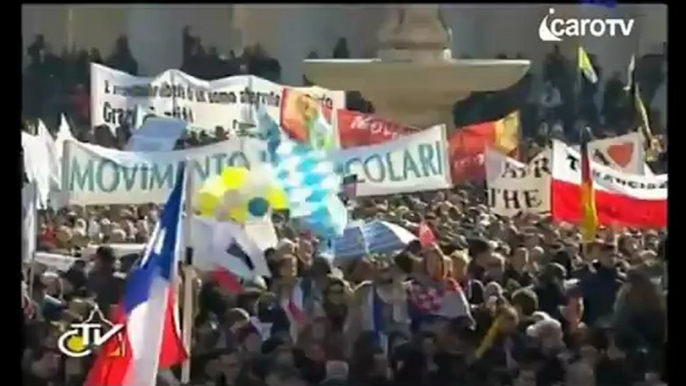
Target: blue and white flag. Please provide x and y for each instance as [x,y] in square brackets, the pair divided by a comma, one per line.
[157,134]
[309,179]
[148,309]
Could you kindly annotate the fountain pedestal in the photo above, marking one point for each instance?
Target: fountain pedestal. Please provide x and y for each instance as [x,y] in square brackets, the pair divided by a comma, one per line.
[415,80]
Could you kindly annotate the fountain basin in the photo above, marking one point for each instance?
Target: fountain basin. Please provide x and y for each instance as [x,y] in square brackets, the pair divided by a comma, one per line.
[415,93]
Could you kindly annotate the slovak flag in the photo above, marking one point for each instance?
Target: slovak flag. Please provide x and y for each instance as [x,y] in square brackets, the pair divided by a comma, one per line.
[149,302]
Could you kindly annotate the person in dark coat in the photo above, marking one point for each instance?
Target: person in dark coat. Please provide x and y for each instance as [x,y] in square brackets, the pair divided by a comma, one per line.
[121,58]
[102,280]
[599,288]
[550,290]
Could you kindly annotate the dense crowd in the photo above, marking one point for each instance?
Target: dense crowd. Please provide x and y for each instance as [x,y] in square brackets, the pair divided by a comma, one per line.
[564,313]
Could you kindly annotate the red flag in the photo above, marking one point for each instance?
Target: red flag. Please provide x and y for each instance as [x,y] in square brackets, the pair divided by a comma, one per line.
[114,360]
[227,280]
[426,235]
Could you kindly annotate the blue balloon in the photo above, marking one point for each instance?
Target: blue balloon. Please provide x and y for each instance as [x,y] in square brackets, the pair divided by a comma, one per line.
[258,206]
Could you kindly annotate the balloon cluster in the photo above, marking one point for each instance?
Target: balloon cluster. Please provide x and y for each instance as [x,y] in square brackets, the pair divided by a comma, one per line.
[239,194]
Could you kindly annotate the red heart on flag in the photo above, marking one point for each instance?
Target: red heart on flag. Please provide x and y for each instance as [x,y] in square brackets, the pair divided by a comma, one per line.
[621,154]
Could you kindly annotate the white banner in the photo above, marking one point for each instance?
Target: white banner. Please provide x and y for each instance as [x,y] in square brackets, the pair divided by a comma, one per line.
[514,187]
[29,220]
[55,261]
[94,175]
[222,102]
[566,168]
[621,199]
[624,153]
[41,162]
[407,164]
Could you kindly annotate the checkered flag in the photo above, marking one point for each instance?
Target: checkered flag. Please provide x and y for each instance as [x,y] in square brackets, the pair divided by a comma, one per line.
[308,177]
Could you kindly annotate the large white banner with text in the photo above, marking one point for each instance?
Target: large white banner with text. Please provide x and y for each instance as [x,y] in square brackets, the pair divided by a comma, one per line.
[514,187]
[411,163]
[621,199]
[225,102]
[94,175]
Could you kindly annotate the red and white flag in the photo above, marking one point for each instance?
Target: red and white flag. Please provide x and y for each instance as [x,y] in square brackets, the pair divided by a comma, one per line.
[621,199]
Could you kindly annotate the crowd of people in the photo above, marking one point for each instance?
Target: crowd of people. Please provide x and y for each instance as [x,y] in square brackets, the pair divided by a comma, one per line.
[528,303]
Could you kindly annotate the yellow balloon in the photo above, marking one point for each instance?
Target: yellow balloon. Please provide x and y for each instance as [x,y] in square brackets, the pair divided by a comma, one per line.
[210,195]
[276,197]
[225,197]
[234,177]
[232,199]
[238,214]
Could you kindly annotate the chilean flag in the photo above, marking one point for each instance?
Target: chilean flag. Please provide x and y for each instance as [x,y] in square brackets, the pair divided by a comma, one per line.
[148,303]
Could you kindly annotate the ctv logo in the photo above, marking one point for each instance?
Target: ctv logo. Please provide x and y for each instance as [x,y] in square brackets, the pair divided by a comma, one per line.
[556,29]
[81,338]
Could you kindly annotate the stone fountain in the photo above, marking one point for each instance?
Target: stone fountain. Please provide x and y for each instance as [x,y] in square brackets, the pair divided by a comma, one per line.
[415,80]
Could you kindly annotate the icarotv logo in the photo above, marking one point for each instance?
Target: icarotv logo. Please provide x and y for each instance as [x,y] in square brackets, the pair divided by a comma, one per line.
[556,29]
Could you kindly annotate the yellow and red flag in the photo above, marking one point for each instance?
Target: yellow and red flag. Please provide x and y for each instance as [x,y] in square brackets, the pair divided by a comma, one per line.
[589,215]
[467,146]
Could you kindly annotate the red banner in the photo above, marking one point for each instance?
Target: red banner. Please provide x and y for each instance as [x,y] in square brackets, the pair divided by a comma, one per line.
[358,129]
[467,145]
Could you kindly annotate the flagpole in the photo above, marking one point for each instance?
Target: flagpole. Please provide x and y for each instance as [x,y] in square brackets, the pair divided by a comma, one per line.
[188,275]
[579,95]
[34,235]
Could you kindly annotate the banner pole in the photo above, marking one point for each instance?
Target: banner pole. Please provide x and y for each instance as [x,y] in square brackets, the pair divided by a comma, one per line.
[34,235]
[188,276]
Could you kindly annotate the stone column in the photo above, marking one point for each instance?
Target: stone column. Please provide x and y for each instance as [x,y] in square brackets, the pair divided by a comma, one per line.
[461,20]
[155,37]
[295,41]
